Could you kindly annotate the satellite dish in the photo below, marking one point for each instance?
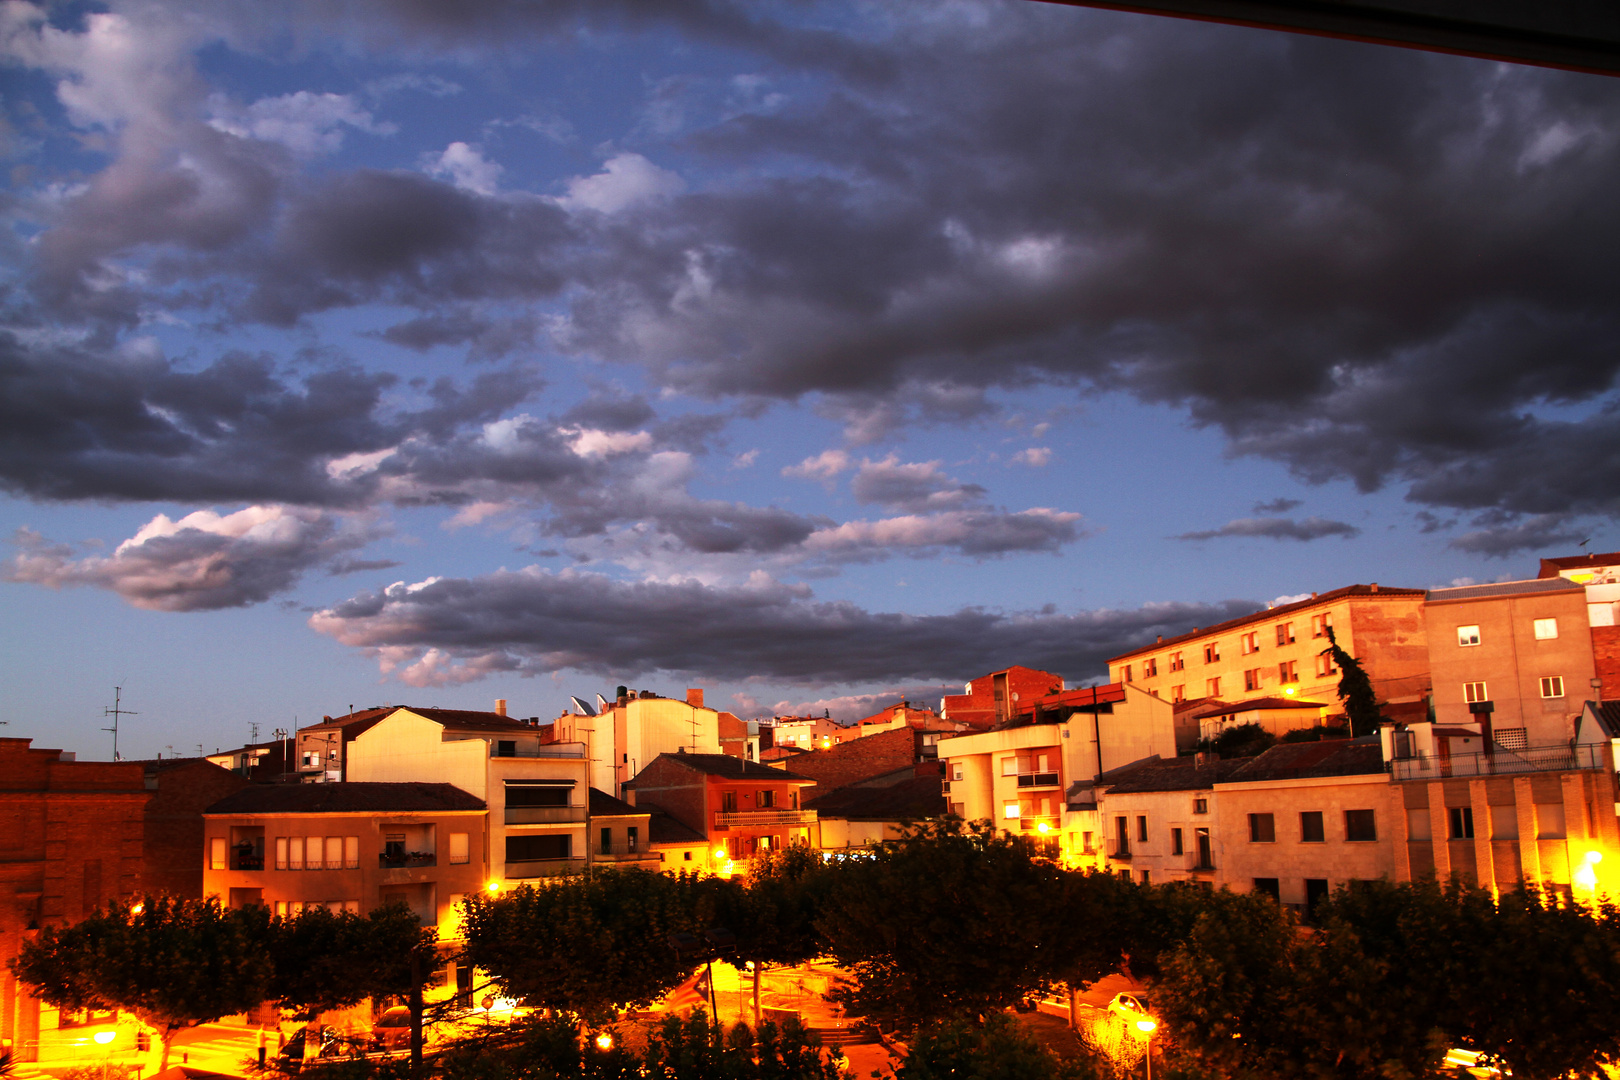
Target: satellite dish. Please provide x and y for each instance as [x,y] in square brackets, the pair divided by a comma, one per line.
[582,707]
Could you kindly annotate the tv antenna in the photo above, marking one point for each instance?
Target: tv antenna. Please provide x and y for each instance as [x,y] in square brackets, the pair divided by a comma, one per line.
[115,712]
[253,732]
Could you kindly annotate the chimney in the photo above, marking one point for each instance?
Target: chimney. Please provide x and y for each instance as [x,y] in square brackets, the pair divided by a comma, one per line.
[624,695]
[1375,586]
[694,698]
[500,706]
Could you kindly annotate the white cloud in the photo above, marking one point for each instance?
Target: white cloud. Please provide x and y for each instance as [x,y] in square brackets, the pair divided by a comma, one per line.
[306,123]
[824,466]
[466,167]
[1036,457]
[625,179]
[594,443]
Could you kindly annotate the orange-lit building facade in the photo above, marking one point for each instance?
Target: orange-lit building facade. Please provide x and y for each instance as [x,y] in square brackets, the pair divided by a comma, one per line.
[739,806]
[70,840]
[999,696]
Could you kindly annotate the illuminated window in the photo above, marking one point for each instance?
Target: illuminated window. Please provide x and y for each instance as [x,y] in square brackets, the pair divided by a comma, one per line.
[1467,635]
[956,770]
[1285,633]
[1552,686]
[1324,665]
[351,852]
[1475,691]
[1546,629]
[216,853]
[295,853]
[1250,642]
[281,853]
[1011,810]
[458,847]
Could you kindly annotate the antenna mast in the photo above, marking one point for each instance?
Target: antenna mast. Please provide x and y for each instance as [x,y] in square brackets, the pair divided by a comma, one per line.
[115,712]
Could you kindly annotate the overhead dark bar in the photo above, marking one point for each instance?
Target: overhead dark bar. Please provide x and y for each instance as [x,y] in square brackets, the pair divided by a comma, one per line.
[1577,35]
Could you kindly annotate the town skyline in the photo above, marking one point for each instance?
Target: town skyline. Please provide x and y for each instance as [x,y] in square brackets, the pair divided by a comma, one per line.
[817,356]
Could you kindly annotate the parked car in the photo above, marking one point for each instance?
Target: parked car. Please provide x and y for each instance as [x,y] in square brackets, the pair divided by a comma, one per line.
[392,1030]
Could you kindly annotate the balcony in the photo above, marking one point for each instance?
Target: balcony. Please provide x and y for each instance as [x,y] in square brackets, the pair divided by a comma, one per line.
[544,868]
[503,748]
[622,852]
[1533,759]
[1039,779]
[544,815]
[247,859]
[1119,849]
[399,860]
[751,818]
[1034,824]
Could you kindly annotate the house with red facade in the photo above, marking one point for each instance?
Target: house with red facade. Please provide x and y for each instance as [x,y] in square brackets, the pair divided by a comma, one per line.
[740,806]
[996,697]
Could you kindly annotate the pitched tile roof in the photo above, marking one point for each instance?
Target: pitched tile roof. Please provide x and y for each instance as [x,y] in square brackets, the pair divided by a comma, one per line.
[601,804]
[346,798]
[352,723]
[1177,774]
[917,799]
[1551,567]
[731,768]
[663,829]
[1234,707]
[1267,614]
[472,720]
[1506,588]
[1299,761]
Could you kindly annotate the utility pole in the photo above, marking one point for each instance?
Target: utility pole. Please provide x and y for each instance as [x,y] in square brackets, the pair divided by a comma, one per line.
[280,735]
[115,712]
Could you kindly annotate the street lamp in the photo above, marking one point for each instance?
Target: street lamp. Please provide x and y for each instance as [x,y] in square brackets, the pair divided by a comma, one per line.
[1147,1026]
[604,1042]
[105,1038]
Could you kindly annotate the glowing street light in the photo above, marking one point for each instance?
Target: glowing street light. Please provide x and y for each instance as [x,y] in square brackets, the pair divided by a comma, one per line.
[493,887]
[604,1042]
[104,1037]
[1586,876]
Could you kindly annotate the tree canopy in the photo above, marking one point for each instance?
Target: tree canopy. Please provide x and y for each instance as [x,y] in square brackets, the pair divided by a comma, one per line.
[1355,690]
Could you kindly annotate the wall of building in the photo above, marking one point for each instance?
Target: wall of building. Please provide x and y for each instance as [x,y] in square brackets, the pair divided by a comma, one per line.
[1165,811]
[1511,661]
[1290,859]
[567,764]
[406,747]
[173,829]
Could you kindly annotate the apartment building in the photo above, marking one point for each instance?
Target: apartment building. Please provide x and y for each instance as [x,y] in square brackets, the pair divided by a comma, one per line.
[810,733]
[739,807]
[904,714]
[1277,715]
[1279,652]
[1294,822]
[1512,661]
[1034,773]
[348,846]
[536,790]
[620,834]
[1599,575]
[999,696]
[321,750]
[636,727]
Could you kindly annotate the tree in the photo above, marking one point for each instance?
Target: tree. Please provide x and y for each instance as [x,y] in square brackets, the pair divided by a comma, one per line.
[330,960]
[949,921]
[773,911]
[587,944]
[1355,690]
[173,963]
[997,1048]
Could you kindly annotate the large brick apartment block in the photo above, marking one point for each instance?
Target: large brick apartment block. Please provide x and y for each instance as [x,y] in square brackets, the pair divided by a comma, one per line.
[998,696]
[70,840]
[181,789]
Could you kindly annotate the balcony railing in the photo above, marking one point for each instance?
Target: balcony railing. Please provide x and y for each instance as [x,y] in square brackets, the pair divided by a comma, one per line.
[1039,779]
[1119,849]
[1033,824]
[407,859]
[544,815]
[501,749]
[247,860]
[746,818]
[540,868]
[1500,763]
[637,850]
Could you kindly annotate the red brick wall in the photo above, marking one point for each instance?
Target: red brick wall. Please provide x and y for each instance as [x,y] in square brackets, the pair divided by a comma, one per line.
[1606,654]
[675,789]
[173,840]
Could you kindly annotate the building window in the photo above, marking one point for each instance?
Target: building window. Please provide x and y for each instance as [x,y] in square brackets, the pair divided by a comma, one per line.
[1200,806]
[1213,686]
[1552,686]
[458,847]
[1122,827]
[1175,841]
[1085,840]
[1271,886]
[1285,633]
[1251,679]
[281,853]
[1310,827]
[767,800]
[607,841]
[1150,667]
[1127,676]
[1177,662]
[1011,810]
[956,770]
[1321,623]
[1360,825]
[632,839]
[1546,629]
[1474,691]
[1178,694]
[334,853]
[1146,878]
[1141,827]
[1512,738]
[351,852]
[539,848]
[1462,822]
[1262,829]
[295,853]
[1288,672]
[216,853]
[1212,652]
[1467,635]
[1249,643]
[1324,665]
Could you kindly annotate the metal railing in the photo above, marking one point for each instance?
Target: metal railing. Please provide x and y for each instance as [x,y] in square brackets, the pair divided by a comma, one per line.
[544,815]
[743,819]
[1041,779]
[540,868]
[407,859]
[246,861]
[638,850]
[1501,762]
[569,750]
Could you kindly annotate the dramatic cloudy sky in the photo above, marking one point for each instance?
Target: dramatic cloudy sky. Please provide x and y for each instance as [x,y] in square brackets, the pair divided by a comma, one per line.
[813,353]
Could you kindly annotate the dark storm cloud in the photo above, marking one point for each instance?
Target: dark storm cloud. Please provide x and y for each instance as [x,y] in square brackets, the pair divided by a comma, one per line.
[1530,534]
[1280,505]
[911,486]
[1277,528]
[610,411]
[532,621]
